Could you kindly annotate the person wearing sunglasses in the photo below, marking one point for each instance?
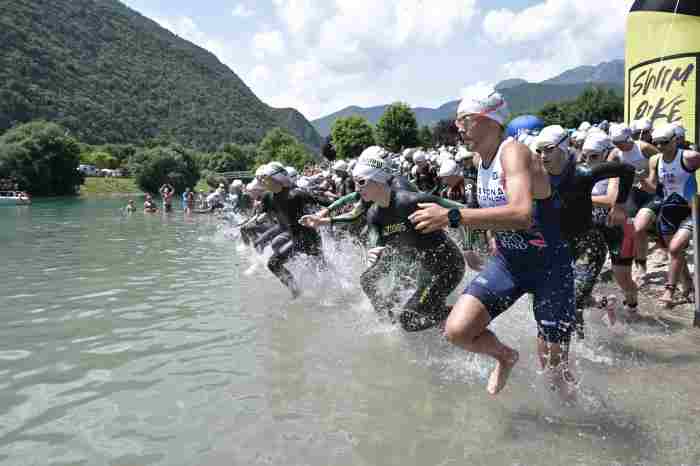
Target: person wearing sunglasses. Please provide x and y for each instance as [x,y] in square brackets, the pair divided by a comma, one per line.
[517,203]
[436,258]
[286,204]
[673,172]
[605,185]
[637,154]
[641,130]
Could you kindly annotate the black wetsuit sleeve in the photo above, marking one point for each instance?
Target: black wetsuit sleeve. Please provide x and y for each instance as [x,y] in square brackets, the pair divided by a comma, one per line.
[344,201]
[608,170]
[354,215]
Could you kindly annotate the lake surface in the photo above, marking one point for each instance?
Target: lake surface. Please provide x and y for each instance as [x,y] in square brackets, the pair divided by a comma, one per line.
[159,340]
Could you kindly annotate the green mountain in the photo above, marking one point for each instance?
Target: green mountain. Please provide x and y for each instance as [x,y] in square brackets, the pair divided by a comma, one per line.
[522,96]
[109,74]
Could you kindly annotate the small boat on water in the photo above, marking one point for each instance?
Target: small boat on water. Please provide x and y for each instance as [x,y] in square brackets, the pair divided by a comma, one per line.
[14,198]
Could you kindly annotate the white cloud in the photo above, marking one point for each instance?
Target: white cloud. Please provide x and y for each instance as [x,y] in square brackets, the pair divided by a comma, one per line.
[242,11]
[185,27]
[476,90]
[268,43]
[555,35]
[343,47]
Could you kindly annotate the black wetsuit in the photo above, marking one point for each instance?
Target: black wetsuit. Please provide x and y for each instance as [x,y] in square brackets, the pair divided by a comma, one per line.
[587,242]
[242,202]
[440,262]
[426,179]
[289,237]
[346,186]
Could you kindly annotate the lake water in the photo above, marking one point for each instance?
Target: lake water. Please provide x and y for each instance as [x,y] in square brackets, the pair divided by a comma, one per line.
[157,340]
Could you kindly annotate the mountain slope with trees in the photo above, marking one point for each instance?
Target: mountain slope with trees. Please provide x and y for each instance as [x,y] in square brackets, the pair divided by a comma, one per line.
[111,75]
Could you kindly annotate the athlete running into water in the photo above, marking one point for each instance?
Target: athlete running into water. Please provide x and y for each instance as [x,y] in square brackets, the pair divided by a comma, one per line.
[588,239]
[532,257]
[287,205]
[393,235]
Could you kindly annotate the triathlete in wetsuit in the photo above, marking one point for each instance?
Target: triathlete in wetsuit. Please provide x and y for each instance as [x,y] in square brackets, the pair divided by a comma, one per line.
[287,205]
[440,261]
[574,186]
[355,219]
[424,176]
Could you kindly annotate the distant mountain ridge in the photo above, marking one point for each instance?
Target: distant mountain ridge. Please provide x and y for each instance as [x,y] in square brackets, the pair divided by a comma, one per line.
[522,96]
[111,75]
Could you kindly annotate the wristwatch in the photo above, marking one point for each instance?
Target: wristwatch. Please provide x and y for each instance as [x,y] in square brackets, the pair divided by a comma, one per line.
[455,217]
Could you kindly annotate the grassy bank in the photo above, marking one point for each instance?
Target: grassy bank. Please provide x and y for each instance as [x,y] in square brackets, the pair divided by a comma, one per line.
[108,186]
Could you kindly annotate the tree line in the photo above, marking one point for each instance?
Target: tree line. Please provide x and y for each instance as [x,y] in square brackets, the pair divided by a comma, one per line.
[397,128]
[43,158]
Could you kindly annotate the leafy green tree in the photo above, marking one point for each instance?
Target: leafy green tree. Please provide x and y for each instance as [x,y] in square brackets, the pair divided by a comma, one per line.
[425,137]
[43,159]
[445,133]
[397,128]
[280,146]
[350,136]
[594,105]
[153,167]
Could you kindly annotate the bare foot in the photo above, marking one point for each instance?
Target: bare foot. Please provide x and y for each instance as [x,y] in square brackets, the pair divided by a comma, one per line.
[499,375]
[667,297]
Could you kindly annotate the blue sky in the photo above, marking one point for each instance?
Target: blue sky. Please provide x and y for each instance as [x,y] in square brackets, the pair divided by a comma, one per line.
[322,55]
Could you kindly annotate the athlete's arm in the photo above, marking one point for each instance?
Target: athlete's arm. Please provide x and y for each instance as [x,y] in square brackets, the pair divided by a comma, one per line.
[613,171]
[649,184]
[648,150]
[516,160]
[691,159]
[339,204]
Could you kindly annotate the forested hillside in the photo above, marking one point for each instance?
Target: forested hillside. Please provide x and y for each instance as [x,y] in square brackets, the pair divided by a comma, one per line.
[109,74]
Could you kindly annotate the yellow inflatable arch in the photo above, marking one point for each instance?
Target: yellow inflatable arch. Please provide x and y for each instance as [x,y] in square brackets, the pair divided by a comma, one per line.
[661,63]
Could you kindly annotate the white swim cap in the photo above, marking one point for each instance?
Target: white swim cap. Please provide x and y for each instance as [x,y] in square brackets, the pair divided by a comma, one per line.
[584,127]
[340,165]
[667,131]
[419,156]
[641,125]
[620,133]
[237,184]
[553,135]
[255,186]
[292,172]
[276,171]
[598,142]
[680,130]
[371,168]
[373,151]
[449,168]
[491,105]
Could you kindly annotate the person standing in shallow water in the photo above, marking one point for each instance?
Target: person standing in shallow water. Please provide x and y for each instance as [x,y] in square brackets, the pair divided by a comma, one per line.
[286,205]
[392,235]
[516,202]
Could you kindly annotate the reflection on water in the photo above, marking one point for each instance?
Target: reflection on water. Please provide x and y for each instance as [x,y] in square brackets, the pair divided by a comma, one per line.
[158,340]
